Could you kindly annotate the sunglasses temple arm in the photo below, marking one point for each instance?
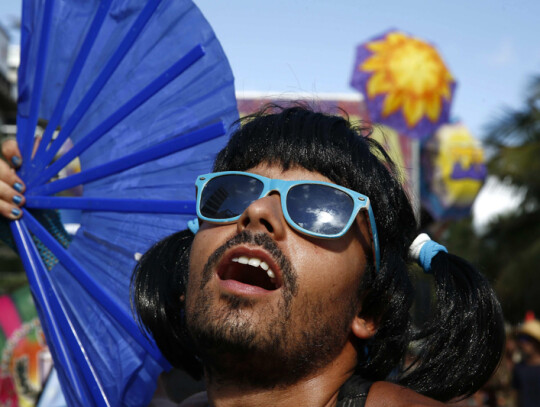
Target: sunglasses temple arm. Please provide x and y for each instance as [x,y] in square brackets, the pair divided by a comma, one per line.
[374,236]
[193,225]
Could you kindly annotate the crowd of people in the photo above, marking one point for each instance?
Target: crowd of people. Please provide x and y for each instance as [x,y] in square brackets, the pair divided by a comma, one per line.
[516,382]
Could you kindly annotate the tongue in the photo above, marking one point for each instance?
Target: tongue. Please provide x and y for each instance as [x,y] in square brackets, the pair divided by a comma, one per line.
[248,275]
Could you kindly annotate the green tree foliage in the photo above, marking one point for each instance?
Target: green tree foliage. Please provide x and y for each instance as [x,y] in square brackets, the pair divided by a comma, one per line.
[516,140]
[509,250]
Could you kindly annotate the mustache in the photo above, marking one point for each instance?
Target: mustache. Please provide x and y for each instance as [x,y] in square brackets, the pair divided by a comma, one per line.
[288,274]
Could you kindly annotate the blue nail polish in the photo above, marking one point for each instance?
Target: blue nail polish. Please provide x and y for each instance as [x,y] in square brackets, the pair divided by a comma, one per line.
[16,160]
[17,199]
[18,187]
[15,212]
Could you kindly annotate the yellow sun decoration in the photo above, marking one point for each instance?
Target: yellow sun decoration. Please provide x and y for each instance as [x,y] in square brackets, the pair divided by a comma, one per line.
[411,74]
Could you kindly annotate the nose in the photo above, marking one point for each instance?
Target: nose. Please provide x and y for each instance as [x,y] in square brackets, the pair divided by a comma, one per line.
[264,215]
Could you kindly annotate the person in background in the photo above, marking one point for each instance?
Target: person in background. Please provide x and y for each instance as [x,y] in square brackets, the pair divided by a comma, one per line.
[526,375]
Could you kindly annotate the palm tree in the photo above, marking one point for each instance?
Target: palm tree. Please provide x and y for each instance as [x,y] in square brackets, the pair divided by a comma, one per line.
[516,138]
[510,248]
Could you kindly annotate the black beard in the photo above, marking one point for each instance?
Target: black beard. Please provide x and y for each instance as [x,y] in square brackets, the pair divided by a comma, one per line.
[277,351]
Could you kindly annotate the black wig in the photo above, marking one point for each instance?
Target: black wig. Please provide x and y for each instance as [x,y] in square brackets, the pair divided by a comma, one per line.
[460,345]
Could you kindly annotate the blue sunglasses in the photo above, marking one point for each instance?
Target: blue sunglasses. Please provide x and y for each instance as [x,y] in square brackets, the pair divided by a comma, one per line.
[315,208]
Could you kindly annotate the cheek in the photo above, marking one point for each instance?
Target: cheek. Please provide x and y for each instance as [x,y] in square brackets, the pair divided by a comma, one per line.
[206,242]
[193,282]
[332,275]
[200,251]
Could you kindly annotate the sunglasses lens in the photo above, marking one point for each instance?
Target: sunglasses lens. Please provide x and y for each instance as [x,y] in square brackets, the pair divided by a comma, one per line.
[229,195]
[319,209]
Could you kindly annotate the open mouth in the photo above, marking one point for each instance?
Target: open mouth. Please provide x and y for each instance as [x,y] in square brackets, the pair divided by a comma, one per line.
[252,271]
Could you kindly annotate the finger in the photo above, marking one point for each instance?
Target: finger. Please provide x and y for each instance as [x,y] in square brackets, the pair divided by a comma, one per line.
[9,211]
[9,176]
[9,195]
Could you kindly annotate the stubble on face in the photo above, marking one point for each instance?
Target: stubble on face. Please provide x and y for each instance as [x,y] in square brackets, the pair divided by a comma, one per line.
[265,345]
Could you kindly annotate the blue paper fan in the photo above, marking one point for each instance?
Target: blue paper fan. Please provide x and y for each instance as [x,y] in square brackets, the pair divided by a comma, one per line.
[144,92]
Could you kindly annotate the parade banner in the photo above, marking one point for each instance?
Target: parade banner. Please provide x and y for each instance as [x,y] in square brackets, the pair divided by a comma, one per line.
[405,82]
[26,360]
[452,172]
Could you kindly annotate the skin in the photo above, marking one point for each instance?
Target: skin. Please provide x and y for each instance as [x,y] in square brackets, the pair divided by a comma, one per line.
[8,178]
[316,263]
[12,161]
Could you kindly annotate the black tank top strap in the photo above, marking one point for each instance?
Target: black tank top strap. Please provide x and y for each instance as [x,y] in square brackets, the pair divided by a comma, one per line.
[354,392]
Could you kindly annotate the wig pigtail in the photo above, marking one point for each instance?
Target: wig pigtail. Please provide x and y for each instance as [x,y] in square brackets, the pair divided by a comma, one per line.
[462,344]
[158,292]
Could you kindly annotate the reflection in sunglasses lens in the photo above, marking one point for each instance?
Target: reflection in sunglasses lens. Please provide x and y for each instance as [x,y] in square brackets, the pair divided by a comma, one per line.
[319,208]
[229,195]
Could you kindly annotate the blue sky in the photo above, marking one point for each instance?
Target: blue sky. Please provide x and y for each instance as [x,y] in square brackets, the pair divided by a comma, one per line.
[491,47]
[282,46]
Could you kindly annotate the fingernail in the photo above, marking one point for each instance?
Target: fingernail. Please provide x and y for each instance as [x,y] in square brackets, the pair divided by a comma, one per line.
[17,199]
[16,160]
[18,186]
[15,212]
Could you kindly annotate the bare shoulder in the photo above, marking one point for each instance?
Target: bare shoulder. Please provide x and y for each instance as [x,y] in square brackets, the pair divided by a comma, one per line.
[385,394]
[197,400]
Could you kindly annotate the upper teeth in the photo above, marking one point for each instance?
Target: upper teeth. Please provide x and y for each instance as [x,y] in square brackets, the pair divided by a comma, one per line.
[255,262]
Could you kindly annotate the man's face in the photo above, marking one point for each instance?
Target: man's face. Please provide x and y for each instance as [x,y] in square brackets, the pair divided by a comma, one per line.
[272,327]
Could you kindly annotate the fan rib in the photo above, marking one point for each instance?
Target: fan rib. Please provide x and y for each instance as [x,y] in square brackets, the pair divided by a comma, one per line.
[178,143]
[112,205]
[94,290]
[155,86]
[57,321]
[37,88]
[78,65]
[100,82]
